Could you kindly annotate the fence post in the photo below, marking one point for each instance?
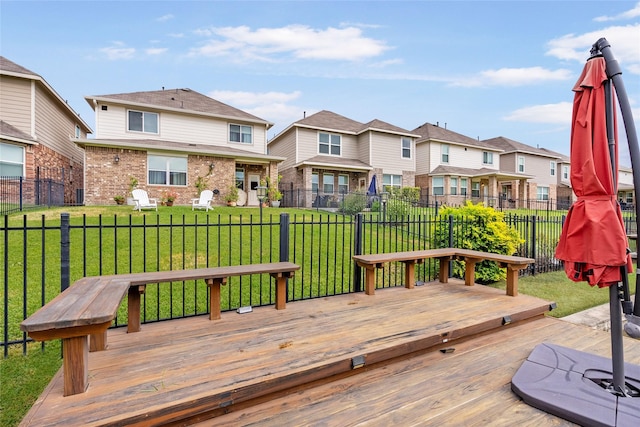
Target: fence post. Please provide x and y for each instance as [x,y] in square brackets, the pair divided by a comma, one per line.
[357,250]
[284,244]
[450,242]
[64,251]
[21,192]
[533,244]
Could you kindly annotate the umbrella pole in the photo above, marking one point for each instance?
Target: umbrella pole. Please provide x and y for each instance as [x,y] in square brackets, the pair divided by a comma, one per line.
[615,74]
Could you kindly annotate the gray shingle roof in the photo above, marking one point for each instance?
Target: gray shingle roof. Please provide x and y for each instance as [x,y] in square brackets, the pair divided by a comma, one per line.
[509,145]
[431,132]
[338,162]
[7,130]
[330,121]
[178,99]
[11,66]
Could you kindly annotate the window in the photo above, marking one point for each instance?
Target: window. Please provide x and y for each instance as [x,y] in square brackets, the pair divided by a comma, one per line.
[327,183]
[329,144]
[389,181]
[140,121]
[630,197]
[565,172]
[241,134]
[463,186]
[314,182]
[543,193]
[343,184]
[453,186]
[240,177]
[552,166]
[487,158]
[11,160]
[444,155]
[521,164]
[78,132]
[475,189]
[438,185]
[164,170]
[406,148]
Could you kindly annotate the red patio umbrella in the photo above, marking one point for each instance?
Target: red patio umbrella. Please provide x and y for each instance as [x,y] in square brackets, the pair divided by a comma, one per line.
[593,244]
[588,389]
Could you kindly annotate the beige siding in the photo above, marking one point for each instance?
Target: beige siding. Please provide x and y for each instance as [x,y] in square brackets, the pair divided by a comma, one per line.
[386,154]
[112,124]
[307,144]
[470,157]
[15,102]
[285,147]
[54,126]
[349,148]
[423,158]
[508,162]
[364,148]
[540,168]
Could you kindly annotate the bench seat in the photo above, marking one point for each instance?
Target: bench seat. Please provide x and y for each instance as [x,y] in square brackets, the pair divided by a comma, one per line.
[511,263]
[88,307]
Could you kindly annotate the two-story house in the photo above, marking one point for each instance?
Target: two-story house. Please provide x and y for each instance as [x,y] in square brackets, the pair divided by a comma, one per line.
[36,130]
[171,140]
[329,155]
[454,168]
[541,164]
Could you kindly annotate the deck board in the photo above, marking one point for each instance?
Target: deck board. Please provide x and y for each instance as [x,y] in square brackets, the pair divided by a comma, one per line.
[260,365]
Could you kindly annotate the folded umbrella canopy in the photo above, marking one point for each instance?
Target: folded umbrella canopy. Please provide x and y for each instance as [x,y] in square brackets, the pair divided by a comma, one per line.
[584,388]
[593,244]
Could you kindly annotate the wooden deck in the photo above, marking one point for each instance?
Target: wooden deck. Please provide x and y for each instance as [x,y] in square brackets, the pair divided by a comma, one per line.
[295,366]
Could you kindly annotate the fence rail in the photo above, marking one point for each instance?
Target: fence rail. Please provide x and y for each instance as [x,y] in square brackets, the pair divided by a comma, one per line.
[40,258]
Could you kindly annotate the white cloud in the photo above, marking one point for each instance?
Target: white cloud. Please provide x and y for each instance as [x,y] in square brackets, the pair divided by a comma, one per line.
[272,106]
[630,14]
[559,113]
[513,77]
[165,18]
[292,41]
[156,50]
[118,51]
[623,40]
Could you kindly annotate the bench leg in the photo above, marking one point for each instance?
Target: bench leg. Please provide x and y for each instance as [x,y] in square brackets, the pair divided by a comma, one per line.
[75,364]
[470,272]
[133,308]
[409,274]
[281,292]
[444,270]
[214,297]
[370,281]
[512,282]
[98,341]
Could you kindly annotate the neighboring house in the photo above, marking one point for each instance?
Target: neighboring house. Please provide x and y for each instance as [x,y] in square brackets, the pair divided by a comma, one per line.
[546,186]
[170,140]
[36,131]
[626,188]
[455,168]
[329,155]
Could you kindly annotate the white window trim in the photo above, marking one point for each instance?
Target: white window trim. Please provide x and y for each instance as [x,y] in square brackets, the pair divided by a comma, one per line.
[143,113]
[241,126]
[518,164]
[443,148]
[402,148]
[174,156]
[329,144]
[553,166]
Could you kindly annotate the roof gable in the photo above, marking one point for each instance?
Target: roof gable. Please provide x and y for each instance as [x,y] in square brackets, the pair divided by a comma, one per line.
[330,121]
[429,132]
[509,145]
[186,100]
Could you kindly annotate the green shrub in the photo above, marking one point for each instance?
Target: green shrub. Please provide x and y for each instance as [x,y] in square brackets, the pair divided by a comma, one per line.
[354,203]
[483,229]
[398,208]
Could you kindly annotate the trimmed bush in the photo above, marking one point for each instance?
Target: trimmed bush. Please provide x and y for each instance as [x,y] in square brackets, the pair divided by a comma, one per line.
[480,228]
[354,203]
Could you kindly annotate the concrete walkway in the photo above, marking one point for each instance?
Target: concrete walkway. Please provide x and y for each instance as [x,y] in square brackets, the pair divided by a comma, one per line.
[597,317]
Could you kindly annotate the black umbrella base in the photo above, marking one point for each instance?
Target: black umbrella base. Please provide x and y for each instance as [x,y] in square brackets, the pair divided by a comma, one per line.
[577,386]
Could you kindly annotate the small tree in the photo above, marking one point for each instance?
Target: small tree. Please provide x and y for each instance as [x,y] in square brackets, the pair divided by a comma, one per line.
[479,228]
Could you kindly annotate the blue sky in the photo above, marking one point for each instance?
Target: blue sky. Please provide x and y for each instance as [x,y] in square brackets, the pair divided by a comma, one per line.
[480,68]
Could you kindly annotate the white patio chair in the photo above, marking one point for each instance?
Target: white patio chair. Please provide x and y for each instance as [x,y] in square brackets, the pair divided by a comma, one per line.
[204,201]
[142,200]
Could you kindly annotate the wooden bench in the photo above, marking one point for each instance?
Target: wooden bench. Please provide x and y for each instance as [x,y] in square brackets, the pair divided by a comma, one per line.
[444,255]
[88,307]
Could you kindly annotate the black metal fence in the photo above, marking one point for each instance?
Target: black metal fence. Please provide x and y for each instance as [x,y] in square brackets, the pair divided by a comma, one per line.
[39,258]
[18,194]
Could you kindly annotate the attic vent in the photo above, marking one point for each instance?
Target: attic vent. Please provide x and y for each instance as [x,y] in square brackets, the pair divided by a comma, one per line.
[104,108]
